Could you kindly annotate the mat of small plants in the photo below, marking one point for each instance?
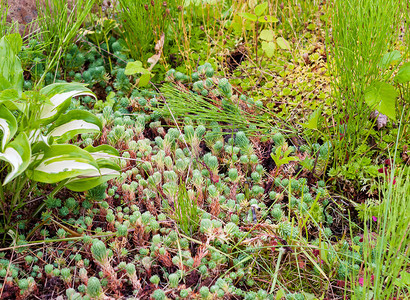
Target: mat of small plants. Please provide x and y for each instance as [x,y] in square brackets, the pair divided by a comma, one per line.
[204,150]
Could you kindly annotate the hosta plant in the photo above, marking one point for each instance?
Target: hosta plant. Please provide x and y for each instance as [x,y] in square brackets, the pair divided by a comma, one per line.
[34,131]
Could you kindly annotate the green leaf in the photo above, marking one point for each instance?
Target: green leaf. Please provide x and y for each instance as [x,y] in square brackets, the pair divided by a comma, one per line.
[268,19]
[389,58]
[144,80]
[382,96]
[135,67]
[73,123]
[313,120]
[405,277]
[17,154]
[248,16]
[309,296]
[280,294]
[260,9]
[268,48]
[282,158]
[15,42]
[11,99]
[60,95]
[11,72]
[8,125]
[267,35]
[282,43]
[61,162]
[403,75]
[84,182]
[102,152]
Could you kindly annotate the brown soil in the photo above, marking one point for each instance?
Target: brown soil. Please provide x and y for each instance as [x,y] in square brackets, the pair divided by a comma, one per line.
[22,11]
[25,11]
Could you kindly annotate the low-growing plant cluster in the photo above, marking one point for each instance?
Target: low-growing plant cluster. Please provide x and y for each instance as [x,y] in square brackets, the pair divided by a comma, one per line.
[141,163]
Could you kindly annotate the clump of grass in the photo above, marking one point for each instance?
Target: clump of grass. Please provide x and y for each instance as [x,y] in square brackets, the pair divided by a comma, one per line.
[361,33]
[387,255]
[186,212]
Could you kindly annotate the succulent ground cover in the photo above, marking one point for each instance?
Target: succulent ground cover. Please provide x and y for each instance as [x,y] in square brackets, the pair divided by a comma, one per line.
[203,156]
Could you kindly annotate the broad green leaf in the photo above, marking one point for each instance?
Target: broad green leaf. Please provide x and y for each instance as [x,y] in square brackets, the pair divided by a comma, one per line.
[313,120]
[260,9]
[102,152]
[73,123]
[61,162]
[267,35]
[268,19]
[405,277]
[382,96]
[248,16]
[389,58]
[134,67]
[268,48]
[60,95]
[8,125]
[107,171]
[11,99]
[403,75]
[11,72]
[15,41]
[282,43]
[17,154]
[144,80]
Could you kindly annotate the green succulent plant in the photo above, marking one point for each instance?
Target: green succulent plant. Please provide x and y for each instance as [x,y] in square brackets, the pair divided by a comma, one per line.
[99,251]
[94,289]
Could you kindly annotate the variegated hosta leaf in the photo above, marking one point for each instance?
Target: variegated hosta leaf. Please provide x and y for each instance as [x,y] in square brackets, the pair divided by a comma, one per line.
[72,123]
[61,162]
[102,152]
[17,154]
[60,95]
[8,124]
[108,170]
[35,136]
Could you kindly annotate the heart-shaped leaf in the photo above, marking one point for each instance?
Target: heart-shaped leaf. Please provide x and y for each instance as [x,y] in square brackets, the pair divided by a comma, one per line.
[403,75]
[382,96]
[17,154]
[389,58]
[144,80]
[268,48]
[267,35]
[134,67]
[260,9]
[8,125]
[248,16]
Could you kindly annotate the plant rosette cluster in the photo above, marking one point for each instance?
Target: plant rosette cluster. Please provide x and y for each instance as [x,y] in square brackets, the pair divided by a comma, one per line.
[35,131]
